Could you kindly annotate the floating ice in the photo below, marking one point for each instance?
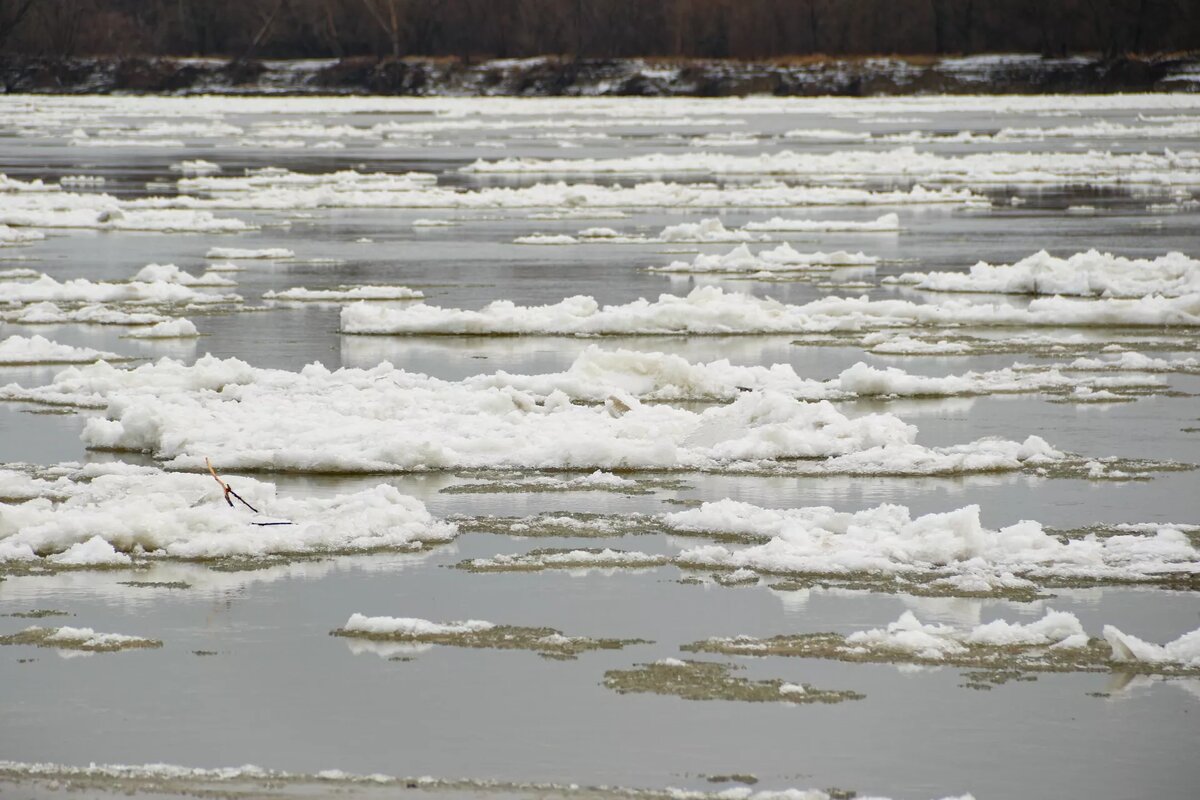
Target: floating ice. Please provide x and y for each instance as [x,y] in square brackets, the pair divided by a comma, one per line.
[39,350]
[1069,168]
[345,293]
[935,642]
[385,419]
[196,168]
[411,627]
[711,310]
[12,236]
[1125,648]
[887,223]
[105,212]
[779,259]
[104,513]
[274,253]
[287,191]
[51,314]
[169,273]
[80,290]
[951,547]
[169,329]
[85,639]
[1090,274]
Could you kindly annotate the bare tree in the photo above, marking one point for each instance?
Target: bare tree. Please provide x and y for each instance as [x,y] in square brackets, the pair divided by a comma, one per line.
[388,16]
[11,17]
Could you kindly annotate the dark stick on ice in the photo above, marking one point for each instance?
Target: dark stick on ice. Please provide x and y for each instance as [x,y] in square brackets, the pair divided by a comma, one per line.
[228,489]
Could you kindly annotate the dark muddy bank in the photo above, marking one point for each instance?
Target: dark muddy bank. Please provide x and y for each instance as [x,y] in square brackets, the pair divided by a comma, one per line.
[995,74]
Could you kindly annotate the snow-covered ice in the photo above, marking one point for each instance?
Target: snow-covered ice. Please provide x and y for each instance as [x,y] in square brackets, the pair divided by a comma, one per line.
[40,350]
[711,310]
[102,514]
[953,547]
[1089,274]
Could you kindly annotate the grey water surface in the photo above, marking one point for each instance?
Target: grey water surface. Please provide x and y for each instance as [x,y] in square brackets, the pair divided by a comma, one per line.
[280,693]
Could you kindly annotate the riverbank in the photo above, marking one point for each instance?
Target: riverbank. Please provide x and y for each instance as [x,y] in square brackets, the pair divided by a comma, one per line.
[551,76]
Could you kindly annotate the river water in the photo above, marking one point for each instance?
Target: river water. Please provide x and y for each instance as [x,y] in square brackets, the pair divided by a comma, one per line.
[278,692]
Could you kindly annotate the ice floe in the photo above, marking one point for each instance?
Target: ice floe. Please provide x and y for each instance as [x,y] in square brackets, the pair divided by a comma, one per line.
[1055,643]
[169,273]
[385,419]
[272,253]
[1089,274]
[104,514]
[168,329]
[40,350]
[28,209]
[86,639]
[711,310]
[783,258]
[345,294]
[289,191]
[138,291]
[47,313]
[1062,168]
[886,223]
[953,549]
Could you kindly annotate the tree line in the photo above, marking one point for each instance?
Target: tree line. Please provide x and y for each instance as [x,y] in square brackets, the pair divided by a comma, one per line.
[477,29]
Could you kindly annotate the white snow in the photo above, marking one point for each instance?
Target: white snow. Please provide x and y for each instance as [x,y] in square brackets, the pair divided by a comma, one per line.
[88,638]
[273,253]
[711,310]
[345,293]
[975,169]
[1184,651]
[710,230]
[104,212]
[50,314]
[411,627]
[886,223]
[954,545]
[1089,274]
[936,641]
[385,419]
[137,291]
[40,350]
[169,329]
[169,273]
[779,259]
[195,168]
[108,512]
[597,374]
[12,236]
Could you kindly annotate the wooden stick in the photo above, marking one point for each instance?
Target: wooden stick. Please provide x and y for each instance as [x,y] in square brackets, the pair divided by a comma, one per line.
[228,489]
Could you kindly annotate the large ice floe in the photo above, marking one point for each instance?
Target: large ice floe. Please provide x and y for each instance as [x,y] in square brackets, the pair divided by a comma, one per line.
[94,314]
[16,350]
[118,514]
[283,190]
[1002,650]
[46,208]
[951,552]
[153,285]
[1089,274]
[1060,168]
[783,258]
[712,310]
[344,294]
[388,420]
[598,374]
